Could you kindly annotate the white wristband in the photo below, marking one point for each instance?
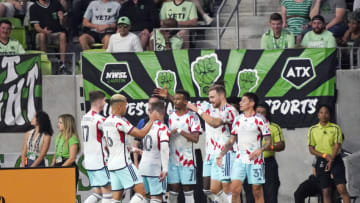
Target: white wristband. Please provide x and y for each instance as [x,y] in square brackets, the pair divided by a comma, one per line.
[178,130]
[200,111]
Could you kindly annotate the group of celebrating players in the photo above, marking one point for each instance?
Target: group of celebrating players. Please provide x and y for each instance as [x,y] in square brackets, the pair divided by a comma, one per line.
[235,145]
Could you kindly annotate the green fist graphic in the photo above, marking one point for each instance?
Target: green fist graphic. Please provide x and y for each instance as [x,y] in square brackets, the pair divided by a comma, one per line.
[247,80]
[166,79]
[205,70]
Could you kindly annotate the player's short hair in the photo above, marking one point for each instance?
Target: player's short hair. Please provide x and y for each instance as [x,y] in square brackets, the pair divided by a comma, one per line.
[184,93]
[252,97]
[5,22]
[275,16]
[328,107]
[267,110]
[95,95]
[156,96]
[117,98]
[158,106]
[220,89]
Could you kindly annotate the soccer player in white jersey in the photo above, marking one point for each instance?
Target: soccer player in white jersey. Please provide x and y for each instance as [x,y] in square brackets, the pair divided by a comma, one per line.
[218,117]
[249,128]
[123,174]
[93,143]
[155,157]
[185,130]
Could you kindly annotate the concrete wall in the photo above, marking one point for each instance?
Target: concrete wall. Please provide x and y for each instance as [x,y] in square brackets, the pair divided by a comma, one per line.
[61,95]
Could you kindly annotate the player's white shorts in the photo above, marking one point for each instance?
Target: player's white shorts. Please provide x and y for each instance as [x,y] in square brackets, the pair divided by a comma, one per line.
[254,173]
[153,186]
[99,178]
[124,178]
[181,174]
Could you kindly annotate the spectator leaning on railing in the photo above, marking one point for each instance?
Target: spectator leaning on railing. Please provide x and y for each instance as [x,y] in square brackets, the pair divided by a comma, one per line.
[47,17]
[319,37]
[352,35]
[144,18]
[333,12]
[184,12]
[123,40]
[166,39]
[7,45]
[277,37]
[100,17]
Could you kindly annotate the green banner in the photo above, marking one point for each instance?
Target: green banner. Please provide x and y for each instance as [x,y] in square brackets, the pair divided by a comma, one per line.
[291,81]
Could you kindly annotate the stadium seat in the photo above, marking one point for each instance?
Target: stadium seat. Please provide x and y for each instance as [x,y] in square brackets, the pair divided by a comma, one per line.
[18,31]
[97,46]
[45,64]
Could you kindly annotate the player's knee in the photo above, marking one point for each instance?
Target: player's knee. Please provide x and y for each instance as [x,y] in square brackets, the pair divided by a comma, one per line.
[342,189]
[257,191]
[235,190]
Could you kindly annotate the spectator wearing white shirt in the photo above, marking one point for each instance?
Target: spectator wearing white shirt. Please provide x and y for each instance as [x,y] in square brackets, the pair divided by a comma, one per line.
[123,40]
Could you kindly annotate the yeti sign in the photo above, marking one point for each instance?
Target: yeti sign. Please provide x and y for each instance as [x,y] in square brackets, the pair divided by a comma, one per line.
[298,71]
[116,76]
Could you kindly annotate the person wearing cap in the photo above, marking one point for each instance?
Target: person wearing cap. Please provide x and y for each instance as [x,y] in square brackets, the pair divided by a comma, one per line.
[123,173]
[324,140]
[124,40]
[99,22]
[277,37]
[166,39]
[319,37]
[333,12]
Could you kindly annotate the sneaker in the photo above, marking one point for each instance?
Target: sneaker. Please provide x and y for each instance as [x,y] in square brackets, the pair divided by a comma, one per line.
[62,69]
[208,20]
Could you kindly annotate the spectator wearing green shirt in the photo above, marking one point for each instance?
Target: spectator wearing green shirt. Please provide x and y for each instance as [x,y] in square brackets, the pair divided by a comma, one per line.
[67,142]
[319,37]
[166,39]
[184,12]
[277,37]
[7,45]
[324,140]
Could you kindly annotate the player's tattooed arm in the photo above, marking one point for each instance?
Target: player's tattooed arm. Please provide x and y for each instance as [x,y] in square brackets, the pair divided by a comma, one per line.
[255,154]
[267,143]
[192,137]
[228,145]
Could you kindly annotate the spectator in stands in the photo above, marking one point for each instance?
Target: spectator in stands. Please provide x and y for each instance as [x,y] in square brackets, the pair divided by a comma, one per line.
[8,8]
[123,40]
[7,45]
[184,12]
[324,141]
[352,35]
[100,17]
[277,37]
[76,17]
[144,17]
[166,39]
[48,17]
[319,37]
[37,141]
[356,5]
[333,12]
[295,15]
[67,143]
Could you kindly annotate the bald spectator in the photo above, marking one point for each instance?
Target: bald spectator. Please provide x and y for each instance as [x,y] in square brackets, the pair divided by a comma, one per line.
[100,17]
[123,40]
[333,12]
[144,17]
[166,39]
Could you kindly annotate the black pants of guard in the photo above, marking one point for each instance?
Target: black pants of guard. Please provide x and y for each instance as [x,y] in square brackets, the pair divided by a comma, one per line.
[271,186]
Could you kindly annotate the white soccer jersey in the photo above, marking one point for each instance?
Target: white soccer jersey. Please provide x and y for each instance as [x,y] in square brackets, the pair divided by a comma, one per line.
[249,131]
[150,164]
[181,150]
[116,128]
[93,142]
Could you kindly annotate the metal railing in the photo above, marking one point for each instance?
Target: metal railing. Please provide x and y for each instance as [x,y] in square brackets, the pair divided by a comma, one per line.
[221,29]
[50,63]
[196,37]
[348,57]
[255,7]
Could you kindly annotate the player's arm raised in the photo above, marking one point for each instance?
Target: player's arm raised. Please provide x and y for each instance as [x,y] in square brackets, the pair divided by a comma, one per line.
[135,132]
[213,122]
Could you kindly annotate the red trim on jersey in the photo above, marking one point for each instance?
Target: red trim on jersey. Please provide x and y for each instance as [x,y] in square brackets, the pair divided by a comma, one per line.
[158,138]
[98,132]
[93,113]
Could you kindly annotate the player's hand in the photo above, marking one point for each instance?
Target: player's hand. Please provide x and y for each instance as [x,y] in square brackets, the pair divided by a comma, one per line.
[162,92]
[329,158]
[219,161]
[162,176]
[253,155]
[137,150]
[154,116]
[192,107]
[328,166]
